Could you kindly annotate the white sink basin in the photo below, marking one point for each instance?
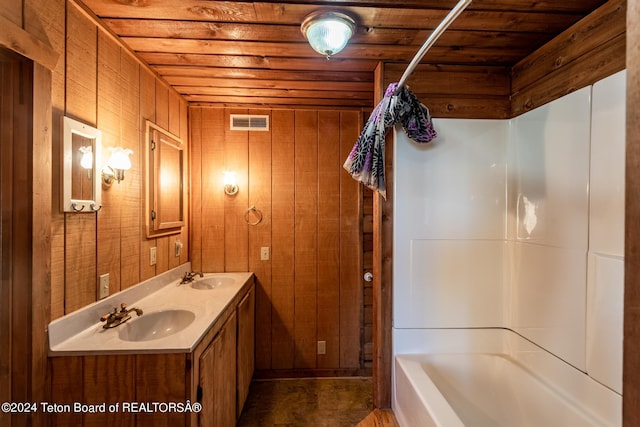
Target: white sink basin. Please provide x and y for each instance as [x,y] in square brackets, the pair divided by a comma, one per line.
[156,325]
[212,282]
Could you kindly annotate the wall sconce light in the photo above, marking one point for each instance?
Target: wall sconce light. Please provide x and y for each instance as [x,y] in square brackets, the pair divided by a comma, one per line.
[328,32]
[118,163]
[230,184]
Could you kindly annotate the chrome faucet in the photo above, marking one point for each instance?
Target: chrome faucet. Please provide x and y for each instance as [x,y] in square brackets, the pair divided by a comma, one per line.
[116,317]
[189,276]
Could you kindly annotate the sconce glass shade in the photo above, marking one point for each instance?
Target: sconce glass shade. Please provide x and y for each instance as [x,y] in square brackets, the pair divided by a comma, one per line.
[230,185]
[328,32]
[118,163]
[120,158]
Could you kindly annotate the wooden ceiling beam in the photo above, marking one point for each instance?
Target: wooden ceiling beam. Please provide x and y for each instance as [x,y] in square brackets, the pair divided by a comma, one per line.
[270,33]
[310,102]
[455,80]
[303,50]
[317,63]
[249,73]
[571,6]
[368,17]
[323,93]
[268,84]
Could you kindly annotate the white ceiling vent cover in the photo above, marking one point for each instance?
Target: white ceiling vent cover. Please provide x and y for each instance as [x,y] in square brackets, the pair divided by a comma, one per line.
[249,122]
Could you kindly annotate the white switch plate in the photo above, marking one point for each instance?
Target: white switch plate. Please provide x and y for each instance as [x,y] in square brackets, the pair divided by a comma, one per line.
[103,286]
[152,256]
[322,347]
[264,253]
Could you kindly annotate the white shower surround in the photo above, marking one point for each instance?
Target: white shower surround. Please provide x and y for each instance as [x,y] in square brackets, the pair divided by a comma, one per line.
[518,224]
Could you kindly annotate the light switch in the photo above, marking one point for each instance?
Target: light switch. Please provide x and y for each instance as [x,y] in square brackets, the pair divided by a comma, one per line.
[264,253]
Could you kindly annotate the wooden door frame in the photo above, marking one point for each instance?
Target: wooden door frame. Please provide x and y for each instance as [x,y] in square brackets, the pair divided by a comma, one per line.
[41,233]
[382,271]
[631,364]
[44,59]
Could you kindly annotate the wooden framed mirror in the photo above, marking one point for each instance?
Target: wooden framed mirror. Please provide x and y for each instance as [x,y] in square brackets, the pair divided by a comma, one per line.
[164,184]
[81,179]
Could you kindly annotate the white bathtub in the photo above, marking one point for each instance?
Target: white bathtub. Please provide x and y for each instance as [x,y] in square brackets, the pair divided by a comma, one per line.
[519,386]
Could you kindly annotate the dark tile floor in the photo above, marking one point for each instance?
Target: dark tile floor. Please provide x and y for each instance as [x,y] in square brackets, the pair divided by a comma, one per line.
[309,402]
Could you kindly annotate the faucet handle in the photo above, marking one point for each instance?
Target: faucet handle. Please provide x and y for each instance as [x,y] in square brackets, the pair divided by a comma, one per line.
[108,315]
[189,276]
[105,317]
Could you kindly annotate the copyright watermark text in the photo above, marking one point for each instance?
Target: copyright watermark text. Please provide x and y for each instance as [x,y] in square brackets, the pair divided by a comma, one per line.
[84,408]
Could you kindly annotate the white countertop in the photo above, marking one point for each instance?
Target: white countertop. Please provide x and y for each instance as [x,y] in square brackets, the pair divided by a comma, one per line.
[82,333]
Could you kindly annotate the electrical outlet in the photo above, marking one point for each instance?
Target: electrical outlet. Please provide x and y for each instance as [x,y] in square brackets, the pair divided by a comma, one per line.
[322,347]
[264,253]
[103,286]
[152,256]
[177,248]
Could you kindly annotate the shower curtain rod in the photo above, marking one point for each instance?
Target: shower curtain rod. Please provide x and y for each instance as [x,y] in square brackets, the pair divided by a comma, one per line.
[453,14]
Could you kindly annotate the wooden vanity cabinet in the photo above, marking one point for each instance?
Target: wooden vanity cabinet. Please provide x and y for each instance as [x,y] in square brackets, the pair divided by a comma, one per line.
[216,374]
[223,364]
[226,366]
[217,389]
[246,347]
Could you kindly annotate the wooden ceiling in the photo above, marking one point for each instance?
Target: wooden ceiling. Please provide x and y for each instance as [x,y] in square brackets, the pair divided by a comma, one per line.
[241,53]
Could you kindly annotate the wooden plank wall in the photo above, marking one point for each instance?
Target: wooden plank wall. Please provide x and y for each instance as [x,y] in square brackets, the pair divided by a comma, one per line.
[105,86]
[588,51]
[454,91]
[311,288]
[367,267]
[78,68]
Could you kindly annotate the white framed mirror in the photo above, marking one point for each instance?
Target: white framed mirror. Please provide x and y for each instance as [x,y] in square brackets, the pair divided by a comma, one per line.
[82,148]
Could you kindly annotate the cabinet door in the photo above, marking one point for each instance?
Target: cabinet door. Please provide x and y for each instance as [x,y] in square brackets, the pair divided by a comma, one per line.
[246,345]
[218,378]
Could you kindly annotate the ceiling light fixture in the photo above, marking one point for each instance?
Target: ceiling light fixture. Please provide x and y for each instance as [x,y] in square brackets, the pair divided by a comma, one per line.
[328,32]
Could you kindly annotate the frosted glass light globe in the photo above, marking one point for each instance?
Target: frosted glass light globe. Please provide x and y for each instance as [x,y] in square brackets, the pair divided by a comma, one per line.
[328,32]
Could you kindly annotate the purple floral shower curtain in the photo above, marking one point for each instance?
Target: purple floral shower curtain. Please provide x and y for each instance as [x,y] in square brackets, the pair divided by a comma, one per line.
[366,160]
